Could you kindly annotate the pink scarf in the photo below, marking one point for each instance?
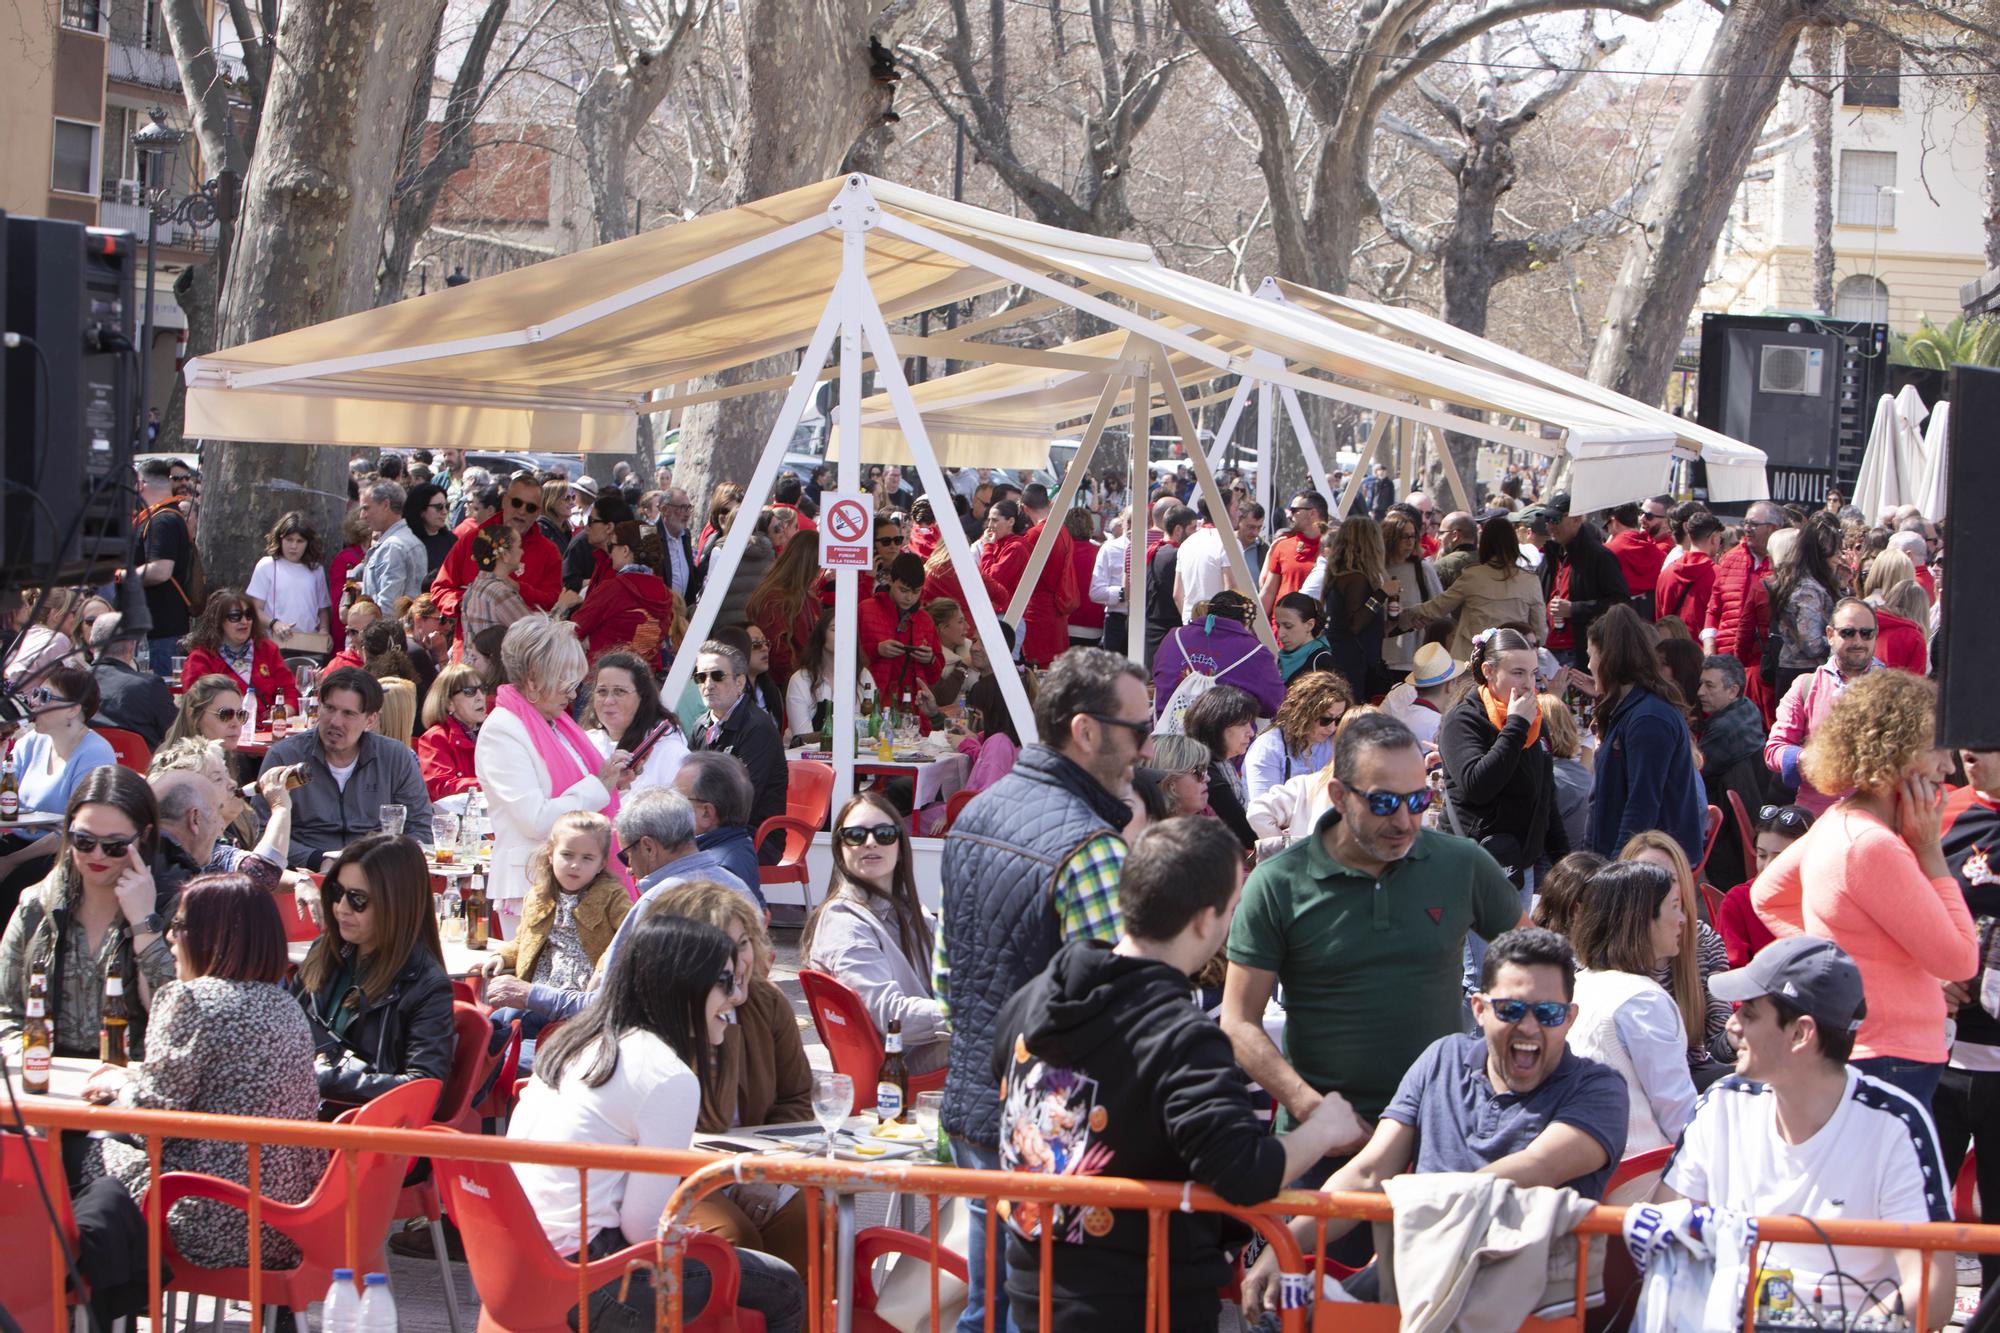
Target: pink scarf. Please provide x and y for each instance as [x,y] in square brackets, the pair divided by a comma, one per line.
[570,758]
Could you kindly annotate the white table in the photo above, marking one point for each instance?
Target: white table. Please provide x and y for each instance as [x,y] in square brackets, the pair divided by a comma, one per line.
[34,821]
[67,1074]
[936,777]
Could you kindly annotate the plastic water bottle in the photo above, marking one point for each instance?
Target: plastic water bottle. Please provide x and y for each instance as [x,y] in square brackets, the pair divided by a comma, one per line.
[378,1307]
[343,1304]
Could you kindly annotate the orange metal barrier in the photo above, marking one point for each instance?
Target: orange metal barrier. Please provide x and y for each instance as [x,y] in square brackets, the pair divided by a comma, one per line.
[823,1180]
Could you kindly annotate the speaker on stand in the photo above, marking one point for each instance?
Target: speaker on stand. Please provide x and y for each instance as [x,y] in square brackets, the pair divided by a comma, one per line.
[1969,644]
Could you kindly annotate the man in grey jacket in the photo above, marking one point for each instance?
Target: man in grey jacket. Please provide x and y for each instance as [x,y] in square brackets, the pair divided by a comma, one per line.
[352,772]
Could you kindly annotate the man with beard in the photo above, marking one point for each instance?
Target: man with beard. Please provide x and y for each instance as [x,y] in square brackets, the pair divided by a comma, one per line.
[1510,1100]
[1851,638]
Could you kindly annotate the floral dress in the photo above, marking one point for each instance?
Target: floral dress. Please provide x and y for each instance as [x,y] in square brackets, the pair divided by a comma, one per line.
[223,1048]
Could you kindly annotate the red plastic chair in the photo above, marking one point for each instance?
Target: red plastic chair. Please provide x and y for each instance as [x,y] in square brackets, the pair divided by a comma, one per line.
[1746,830]
[130,747]
[526,1287]
[319,1225]
[849,1035]
[299,928]
[959,800]
[879,1243]
[1964,1190]
[1711,901]
[26,1286]
[808,798]
[1709,835]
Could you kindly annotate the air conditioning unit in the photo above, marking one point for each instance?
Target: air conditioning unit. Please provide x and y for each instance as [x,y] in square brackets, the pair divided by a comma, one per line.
[131,192]
[1799,371]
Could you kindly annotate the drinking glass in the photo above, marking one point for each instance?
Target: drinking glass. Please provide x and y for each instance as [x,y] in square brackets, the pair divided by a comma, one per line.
[392,817]
[307,676]
[451,921]
[444,835]
[833,1102]
[928,1107]
[180,669]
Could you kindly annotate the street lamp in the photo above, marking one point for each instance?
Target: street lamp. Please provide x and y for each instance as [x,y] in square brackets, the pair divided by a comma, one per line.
[198,209]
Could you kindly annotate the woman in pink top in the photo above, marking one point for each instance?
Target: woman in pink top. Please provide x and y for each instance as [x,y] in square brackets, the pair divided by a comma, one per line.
[1871,876]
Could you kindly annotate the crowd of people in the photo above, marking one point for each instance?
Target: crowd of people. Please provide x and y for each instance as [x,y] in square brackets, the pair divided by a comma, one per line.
[1454,876]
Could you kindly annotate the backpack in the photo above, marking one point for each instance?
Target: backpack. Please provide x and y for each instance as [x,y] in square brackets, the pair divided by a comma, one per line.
[1192,686]
[195,594]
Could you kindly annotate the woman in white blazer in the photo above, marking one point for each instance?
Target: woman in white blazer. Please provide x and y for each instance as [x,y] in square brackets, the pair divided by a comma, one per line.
[533,761]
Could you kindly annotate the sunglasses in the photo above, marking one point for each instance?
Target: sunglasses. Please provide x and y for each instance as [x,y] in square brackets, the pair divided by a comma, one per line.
[727,981]
[1382,804]
[525,506]
[1141,729]
[90,844]
[1329,719]
[236,617]
[760,643]
[1782,817]
[1854,632]
[856,835]
[467,691]
[437,504]
[625,857]
[42,697]
[229,714]
[717,676]
[1549,1013]
[356,900]
[888,541]
[177,927]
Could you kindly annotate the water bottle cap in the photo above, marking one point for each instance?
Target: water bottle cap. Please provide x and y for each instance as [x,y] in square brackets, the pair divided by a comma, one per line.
[343,1275]
[375,1280]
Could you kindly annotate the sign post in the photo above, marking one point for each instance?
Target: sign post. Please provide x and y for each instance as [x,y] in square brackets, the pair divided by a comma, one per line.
[847,531]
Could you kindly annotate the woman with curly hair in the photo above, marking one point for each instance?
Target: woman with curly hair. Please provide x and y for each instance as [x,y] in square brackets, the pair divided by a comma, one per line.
[1301,738]
[1871,876]
[231,639]
[288,586]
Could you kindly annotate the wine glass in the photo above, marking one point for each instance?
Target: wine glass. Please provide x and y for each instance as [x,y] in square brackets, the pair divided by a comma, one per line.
[833,1102]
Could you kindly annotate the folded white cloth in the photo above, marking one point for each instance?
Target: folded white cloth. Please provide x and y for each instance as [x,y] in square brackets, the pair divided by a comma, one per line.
[1695,1262]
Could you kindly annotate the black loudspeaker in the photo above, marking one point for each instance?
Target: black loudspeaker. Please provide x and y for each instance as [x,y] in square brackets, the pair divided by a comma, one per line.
[67,500]
[1968,705]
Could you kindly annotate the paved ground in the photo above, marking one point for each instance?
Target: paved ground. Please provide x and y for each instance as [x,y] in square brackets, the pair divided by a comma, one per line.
[420,1292]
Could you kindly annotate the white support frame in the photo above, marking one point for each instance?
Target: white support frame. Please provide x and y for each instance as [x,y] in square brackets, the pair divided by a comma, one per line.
[1079,468]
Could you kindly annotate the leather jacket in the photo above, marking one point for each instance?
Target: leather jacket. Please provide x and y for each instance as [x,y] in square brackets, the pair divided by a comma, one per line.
[409,1035]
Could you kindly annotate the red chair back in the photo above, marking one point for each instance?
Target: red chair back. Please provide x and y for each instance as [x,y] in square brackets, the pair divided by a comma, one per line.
[1964,1190]
[130,747]
[879,1243]
[27,1288]
[808,797]
[525,1286]
[1711,901]
[850,1038]
[299,928]
[1746,830]
[319,1225]
[1709,834]
[959,800]
[472,1063]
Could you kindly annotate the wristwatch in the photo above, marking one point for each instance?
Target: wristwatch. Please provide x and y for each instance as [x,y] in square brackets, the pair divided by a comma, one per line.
[150,924]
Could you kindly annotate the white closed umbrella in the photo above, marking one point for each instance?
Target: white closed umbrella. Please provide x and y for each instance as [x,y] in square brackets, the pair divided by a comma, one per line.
[1930,481]
[1880,484]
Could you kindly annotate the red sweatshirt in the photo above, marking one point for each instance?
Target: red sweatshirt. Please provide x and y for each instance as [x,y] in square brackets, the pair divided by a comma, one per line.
[880,622]
[269,675]
[540,575]
[631,609]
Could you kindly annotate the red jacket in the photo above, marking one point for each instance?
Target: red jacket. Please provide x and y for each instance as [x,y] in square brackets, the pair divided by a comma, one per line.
[1086,614]
[924,539]
[540,575]
[1684,589]
[880,621]
[788,641]
[345,561]
[1639,558]
[1045,624]
[444,753]
[1929,582]
[1902,643]
[1003,561]
[1743,934]
[633,610]
[1736,574]
[269,675]
[346,657]
[943,582]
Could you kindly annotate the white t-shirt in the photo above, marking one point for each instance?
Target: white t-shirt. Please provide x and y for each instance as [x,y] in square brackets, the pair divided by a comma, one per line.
[661,762]
[294,594]
[341,775]
[1202,568]
[650,1101]
[1876,1158]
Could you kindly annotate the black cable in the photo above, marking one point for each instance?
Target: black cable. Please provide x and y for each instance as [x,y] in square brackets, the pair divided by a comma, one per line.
[48,1203]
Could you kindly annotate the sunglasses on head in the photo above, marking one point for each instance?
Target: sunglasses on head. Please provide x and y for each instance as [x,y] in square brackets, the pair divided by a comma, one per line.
[1383,803]
[717,676]
[90,844]
[356,900]
[1549,1013]
[855,835]
[526,506]
[1782,817]
[1855,631]
[237,616]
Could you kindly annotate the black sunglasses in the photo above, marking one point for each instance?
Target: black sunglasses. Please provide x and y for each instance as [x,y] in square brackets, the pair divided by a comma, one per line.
[1382,804]
[1549,1013]
[727,981]
[704,677]
[888,541]
[526,506]
[1854,631]
[855,835]
[1329,719]
[356,900]
[467,691]
[1141,730]
[625,857]
[89,844]
[236,617]
[1783,818]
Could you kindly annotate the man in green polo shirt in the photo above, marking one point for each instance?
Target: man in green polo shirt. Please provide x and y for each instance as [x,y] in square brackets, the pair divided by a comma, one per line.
[1365,924]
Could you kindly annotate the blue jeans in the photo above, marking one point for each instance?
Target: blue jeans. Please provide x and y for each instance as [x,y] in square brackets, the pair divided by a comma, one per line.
[1915,1077]
[971,1156]
[161,653]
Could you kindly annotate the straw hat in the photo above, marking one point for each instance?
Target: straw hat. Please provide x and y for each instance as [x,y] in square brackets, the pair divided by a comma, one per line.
[1434,666]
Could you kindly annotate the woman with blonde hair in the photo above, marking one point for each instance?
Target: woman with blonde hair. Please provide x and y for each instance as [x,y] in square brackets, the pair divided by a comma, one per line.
[1902,612]
[1870,874]
[1572,768]
[1300,739]
[399,710]
[453,712]
[1703,954]
[1356,604]
[760,1074]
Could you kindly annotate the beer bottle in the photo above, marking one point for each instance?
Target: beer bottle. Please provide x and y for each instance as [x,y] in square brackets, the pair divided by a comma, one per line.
[111,1036]
[892,1085]
[475,912]
[36,1044]
[280,719]
[10,790]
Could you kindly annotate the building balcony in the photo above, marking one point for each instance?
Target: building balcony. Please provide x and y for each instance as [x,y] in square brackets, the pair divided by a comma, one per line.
[121,211]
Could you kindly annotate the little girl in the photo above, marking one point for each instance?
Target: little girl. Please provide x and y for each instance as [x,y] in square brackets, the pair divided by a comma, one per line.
[572,910]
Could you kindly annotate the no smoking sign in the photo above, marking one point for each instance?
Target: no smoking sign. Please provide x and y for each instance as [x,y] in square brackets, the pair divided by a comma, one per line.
[847,531]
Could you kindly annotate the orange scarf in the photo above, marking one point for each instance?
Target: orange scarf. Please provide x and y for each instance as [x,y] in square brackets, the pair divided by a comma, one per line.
[1496,713]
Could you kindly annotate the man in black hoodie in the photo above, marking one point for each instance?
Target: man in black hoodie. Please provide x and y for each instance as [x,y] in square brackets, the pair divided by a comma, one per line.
[1580,576]
[1106,1067]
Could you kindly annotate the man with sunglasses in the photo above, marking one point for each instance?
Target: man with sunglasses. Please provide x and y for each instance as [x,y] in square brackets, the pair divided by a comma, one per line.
[1510,1100]
[1850,635]
[1031,863]
[352,771]
[1365,923]
[732,723]
[1295,553]
[540,574]
[1737,574]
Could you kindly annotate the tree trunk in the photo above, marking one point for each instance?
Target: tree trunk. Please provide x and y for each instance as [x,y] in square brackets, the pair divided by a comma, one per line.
[194,293]
[1993,174]
[808,99]
[1819,56]
[314,207]
[1668,256]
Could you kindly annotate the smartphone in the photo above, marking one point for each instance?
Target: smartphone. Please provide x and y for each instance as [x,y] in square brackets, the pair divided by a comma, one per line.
[652,738]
